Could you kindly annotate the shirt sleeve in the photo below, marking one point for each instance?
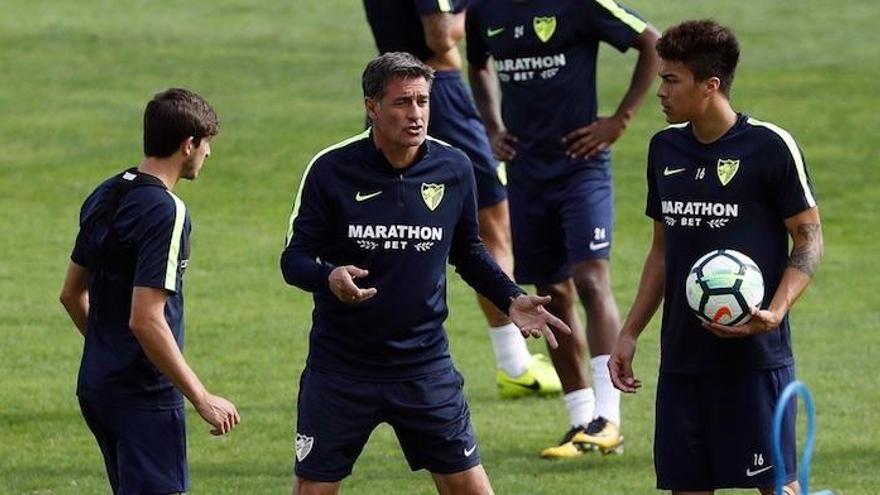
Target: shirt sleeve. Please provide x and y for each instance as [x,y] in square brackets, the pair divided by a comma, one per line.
[652,204]
[791,183]
[307,233]
[477,51]
[82,253]
[154,222]
[471,258]
[613,23]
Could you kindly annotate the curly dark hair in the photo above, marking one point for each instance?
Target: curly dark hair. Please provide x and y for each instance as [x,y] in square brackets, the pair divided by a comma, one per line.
[705,47]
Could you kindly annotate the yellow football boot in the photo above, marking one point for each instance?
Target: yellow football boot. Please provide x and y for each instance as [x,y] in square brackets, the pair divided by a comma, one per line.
[538,379]
[603,435]
[572,445]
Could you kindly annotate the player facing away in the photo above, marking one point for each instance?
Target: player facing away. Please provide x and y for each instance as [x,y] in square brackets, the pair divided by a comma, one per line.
[430,29]
[124,292]
[374,221]
[558,164]
[719,179]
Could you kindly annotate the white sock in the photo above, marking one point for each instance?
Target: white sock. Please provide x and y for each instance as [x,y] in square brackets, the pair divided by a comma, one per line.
[511,354]
[581,405]
[607,397]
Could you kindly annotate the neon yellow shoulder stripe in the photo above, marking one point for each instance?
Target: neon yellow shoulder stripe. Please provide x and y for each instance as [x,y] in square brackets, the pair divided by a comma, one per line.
[630,20]
[174,245]
[795,155]
[302,182]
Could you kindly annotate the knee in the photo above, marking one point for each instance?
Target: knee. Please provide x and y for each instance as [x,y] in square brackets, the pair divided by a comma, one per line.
[562,297]
[303,486]
[592,279]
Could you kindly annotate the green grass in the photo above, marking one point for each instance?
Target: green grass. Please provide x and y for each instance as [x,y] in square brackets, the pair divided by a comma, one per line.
[284,77]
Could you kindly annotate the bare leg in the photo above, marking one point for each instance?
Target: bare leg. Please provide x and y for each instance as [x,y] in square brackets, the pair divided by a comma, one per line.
[593,282]
[304,486]
[473,481]
[568,358]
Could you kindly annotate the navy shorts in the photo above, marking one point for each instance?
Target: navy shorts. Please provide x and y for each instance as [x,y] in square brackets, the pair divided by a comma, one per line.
[336,414]
[455,121]
[144,450]
[561,224]
[714,431]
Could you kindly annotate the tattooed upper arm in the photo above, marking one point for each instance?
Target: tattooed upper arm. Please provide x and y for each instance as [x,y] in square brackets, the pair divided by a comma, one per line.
[807,251]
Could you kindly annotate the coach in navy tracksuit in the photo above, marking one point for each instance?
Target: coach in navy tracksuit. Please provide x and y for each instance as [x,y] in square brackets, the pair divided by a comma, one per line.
[387,208]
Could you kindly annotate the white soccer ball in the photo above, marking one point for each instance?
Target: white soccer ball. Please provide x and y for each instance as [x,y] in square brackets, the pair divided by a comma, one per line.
[723,285]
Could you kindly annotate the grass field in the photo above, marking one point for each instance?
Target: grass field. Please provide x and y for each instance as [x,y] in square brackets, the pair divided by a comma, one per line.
[285,79]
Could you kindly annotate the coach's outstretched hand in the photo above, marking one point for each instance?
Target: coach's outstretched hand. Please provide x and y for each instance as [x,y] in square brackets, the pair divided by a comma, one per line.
[218,412]
[342,285]
[528,314]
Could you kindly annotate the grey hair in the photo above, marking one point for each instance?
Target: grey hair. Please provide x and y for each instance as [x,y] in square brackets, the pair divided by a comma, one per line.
[383,68]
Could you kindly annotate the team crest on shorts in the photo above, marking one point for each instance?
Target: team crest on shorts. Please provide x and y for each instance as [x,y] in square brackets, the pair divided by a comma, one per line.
[432,194]
[726,170]
[303,446]
[544,27]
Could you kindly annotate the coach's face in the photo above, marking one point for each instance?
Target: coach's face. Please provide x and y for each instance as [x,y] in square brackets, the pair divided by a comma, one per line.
[682,97]
[400,117]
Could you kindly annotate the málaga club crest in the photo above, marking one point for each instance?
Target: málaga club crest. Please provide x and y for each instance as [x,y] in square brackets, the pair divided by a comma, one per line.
[544,27]
[726,170]
[432,194]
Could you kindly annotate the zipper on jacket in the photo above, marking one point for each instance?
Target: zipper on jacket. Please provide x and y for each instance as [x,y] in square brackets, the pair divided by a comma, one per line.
[400,190]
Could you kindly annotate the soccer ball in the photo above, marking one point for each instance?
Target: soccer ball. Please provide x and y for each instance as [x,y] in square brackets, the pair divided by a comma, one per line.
[723,285]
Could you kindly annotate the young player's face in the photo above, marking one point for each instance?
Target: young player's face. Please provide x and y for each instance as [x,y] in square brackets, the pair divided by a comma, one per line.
[400,117]
[682,97]
[193,164]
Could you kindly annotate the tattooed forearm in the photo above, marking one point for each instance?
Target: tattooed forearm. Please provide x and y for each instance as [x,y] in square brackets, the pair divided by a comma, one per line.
[807,248]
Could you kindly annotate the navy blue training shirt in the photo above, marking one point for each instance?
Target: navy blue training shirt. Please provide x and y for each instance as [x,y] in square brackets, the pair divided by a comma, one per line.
[354,208]
[148,246]
[397,24]
[734,193]
[545,54]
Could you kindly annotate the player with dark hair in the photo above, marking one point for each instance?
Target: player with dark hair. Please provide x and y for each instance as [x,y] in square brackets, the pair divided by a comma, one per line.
[374,222]
[718,179]
[429,30]
[124,292]
[556,146]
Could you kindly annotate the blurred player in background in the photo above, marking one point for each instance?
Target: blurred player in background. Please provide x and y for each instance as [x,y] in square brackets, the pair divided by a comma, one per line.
[558,161]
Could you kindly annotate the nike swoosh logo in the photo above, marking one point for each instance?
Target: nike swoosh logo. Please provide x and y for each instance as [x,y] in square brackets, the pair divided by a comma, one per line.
[595,246]
[534,385]
[672,171]
[756,472]
[468,452]
[494,32]
[363,197]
